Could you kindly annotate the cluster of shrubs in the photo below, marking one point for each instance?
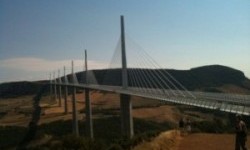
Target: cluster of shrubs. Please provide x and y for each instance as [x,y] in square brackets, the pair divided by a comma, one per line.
[104,138]
[222,122]
[81,143]
[215,126]
[71,142]
[11,136]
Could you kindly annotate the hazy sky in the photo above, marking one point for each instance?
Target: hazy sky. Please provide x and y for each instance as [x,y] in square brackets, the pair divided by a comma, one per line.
[39,36]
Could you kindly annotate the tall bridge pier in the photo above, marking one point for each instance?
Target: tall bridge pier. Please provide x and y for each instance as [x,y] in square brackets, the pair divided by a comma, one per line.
[88,104]
[59,89]
[125,100]
[65,92]
[55,91]
[50,87]
[74,109]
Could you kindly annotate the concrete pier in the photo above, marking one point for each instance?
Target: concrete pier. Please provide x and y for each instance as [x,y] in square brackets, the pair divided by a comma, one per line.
[55,91]
[65,93]
[74,109]
[126,116]
[88,103]
[88,115]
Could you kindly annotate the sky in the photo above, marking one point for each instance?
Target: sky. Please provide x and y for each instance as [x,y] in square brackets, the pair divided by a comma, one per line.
[38,37]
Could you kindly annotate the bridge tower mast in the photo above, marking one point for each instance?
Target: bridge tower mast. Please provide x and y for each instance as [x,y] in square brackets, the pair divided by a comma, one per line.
[125,100]
[88,103]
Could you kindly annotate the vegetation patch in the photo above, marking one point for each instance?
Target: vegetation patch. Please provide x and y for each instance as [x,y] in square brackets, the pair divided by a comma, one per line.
[107,133]
[10,136]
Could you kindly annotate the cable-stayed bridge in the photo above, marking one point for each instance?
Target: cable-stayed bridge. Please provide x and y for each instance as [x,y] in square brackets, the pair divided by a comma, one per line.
[140,76]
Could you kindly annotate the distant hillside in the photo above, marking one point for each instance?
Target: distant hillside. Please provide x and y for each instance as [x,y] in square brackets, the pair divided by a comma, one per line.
[15,89]
[202,78]
[207,78]
[211,76]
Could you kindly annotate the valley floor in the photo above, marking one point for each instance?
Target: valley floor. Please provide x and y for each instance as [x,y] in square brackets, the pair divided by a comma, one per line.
[144,109]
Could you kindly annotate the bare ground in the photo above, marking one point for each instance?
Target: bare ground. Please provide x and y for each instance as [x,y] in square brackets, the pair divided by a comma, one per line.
[171,140]
[204,141]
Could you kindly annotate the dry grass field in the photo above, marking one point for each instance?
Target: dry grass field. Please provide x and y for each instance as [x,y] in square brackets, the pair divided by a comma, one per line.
[18,111]
[165,141]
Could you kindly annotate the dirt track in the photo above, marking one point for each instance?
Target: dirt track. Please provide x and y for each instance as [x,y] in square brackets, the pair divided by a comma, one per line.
[171,140]
[201,141]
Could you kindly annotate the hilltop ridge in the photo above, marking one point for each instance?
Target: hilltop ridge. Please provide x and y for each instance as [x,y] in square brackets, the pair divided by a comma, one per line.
[212,78]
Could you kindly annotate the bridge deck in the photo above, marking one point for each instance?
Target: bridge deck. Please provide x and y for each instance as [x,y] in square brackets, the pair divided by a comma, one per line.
[233,103]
